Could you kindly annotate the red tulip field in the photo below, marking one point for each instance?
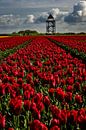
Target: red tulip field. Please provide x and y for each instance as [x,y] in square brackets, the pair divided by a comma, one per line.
[10,42]
[43,83]
[75,42]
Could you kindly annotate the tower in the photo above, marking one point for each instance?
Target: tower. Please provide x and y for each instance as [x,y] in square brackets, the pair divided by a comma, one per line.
[50,25]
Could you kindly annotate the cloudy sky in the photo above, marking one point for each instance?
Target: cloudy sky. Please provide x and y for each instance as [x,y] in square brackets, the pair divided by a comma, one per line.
[16,15]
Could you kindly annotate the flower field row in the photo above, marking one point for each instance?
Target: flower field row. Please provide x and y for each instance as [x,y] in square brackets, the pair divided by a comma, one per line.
[10,42]
[42,88]
[75,42]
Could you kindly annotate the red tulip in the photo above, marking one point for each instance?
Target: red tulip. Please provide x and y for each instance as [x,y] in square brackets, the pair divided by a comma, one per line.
[20,81]
[46,101]
[70,80]
[16,105]
[72,116]
[27,105]
[55,128]
[55,122]
[2,121]
[43,126]
[60,94]
[33,106]
[69,88]
[10,128]
[51,91]
[40,106]
[26,94]
[2,89]
[38,97]
[68,96]
[37,125]
[78,98]
[36,114]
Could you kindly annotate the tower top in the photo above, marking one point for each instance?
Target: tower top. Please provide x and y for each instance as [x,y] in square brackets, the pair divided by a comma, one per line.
[50,16]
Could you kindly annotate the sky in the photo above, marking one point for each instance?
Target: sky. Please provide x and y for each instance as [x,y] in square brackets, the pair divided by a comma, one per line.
[16,15]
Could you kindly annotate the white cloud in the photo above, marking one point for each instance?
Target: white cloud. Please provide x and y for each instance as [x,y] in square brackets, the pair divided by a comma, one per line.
[16,20]
[30,19]
[78,14]
[10,20]
[80,8]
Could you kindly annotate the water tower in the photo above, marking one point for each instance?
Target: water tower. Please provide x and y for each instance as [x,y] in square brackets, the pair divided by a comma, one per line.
[50,25]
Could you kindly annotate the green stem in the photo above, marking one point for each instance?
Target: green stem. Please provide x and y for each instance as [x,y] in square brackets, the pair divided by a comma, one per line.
[25,123]
[0,106]
[18,122]
[14,121]
[27,119]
